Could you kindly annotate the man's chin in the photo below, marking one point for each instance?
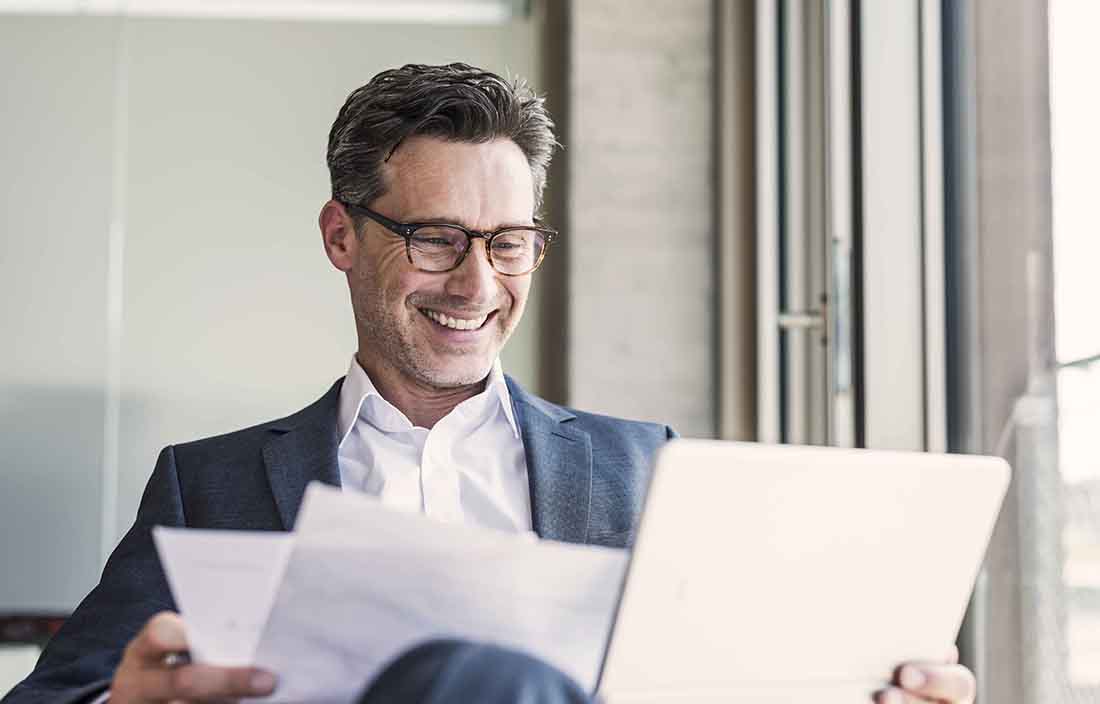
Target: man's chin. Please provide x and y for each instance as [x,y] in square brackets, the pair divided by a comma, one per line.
[453,376]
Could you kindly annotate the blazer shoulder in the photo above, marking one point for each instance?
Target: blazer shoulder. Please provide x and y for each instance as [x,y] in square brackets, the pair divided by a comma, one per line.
[600,425]
[249,440]
[593,423]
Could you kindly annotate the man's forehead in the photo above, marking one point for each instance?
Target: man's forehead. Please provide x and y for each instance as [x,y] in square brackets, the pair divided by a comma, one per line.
[427,153]
[433,176]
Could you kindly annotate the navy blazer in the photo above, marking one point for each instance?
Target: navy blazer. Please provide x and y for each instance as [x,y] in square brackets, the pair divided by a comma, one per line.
[588,475]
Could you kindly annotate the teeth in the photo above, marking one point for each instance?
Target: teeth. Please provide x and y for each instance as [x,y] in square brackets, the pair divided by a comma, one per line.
[454,323]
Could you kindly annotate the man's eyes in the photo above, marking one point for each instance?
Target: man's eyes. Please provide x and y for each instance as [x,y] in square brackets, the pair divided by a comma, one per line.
[434,241]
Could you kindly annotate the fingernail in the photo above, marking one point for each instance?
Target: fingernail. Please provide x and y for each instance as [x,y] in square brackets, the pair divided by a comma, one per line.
[912,678]
[262,682]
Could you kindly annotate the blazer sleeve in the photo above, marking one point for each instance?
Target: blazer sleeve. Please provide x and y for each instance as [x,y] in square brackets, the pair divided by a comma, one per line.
[79,661]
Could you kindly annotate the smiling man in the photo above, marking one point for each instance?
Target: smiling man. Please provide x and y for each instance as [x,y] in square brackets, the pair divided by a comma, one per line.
[437,177]
[437,294]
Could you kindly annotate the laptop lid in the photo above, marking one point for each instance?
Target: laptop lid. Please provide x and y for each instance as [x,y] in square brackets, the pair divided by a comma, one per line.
[774,571]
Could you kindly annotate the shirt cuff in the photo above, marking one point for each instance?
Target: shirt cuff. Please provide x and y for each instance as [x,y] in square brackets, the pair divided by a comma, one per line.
[102,699]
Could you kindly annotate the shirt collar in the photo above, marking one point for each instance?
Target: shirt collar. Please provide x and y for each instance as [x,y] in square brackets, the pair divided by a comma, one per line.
[499,386]
[358,391]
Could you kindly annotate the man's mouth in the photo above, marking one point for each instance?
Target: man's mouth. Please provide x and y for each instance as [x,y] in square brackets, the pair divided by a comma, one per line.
[456,323]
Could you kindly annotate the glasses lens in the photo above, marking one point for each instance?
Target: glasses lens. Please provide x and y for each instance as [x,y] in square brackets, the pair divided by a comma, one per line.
[437,248]
[518,251]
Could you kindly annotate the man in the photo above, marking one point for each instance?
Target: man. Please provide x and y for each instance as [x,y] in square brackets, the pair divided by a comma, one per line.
[437,174]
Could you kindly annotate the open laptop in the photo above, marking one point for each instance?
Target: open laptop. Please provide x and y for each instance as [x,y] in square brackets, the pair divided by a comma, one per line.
[796,574]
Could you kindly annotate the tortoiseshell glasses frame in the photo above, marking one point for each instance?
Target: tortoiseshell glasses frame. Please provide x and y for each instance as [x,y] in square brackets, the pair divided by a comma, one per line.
[437,247]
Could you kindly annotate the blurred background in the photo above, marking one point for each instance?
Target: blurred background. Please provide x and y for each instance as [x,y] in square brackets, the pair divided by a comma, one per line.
[842,222]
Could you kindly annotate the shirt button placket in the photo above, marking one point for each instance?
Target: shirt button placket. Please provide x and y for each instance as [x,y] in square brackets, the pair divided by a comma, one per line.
[439,481]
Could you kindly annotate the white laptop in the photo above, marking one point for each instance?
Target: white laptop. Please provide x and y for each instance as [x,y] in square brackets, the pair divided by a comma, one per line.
[796,574]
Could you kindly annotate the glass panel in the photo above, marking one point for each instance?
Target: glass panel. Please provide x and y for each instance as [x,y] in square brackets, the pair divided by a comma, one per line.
[55,148]
[230,312]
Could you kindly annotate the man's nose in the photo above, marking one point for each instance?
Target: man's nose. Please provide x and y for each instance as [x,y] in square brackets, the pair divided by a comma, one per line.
[475,278]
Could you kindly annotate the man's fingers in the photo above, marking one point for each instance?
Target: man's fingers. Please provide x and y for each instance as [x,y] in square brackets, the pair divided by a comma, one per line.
[893,695]
[947,683]
[205,683]
[163,634]
[211,682]
[155,680]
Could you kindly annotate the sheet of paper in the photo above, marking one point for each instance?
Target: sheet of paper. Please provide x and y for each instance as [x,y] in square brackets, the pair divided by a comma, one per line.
[224,583]
[364,583]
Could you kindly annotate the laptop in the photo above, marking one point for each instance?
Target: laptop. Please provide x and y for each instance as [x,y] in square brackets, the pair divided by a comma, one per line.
[765,573]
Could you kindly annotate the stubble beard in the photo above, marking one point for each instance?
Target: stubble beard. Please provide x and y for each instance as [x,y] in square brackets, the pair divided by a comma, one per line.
[393,342]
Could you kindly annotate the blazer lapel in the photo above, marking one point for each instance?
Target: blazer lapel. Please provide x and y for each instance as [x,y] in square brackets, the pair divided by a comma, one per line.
[559,467]
[303,451]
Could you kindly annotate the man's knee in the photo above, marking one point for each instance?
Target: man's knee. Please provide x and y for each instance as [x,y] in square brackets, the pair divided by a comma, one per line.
[509,675]
[445,671]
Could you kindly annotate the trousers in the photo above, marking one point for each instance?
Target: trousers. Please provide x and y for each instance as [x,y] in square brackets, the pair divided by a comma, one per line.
[460,672]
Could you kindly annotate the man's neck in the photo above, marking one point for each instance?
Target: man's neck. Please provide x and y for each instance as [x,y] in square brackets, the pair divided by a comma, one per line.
[424,405]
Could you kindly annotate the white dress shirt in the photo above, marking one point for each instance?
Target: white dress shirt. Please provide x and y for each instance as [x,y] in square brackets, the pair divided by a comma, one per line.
[468,468]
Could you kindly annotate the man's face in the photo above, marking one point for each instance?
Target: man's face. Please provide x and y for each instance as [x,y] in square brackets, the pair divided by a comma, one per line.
[441,330]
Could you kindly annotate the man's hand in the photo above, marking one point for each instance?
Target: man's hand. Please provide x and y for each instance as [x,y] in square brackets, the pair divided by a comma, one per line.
[924,682]
[147,675]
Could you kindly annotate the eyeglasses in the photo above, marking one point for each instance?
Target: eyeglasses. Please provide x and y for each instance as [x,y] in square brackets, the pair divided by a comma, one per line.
[438,247]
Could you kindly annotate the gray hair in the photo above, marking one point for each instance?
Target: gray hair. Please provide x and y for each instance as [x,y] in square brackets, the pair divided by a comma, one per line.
[456,102]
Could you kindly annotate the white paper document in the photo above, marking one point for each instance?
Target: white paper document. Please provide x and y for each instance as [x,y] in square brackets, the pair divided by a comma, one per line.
[357,584]
[224,583]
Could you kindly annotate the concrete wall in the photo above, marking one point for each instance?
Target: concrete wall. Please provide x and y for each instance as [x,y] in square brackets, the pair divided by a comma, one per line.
[641,211]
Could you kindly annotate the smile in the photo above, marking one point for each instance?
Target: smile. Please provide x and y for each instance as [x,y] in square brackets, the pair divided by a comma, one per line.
[455,323]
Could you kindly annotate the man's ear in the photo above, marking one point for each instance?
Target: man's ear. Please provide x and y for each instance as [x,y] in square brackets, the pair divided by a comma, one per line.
[339,236]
